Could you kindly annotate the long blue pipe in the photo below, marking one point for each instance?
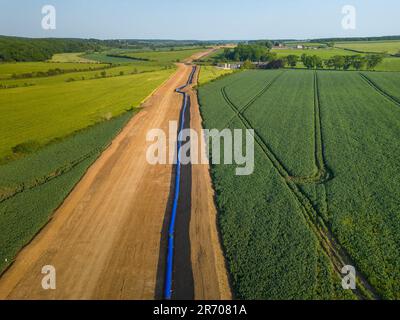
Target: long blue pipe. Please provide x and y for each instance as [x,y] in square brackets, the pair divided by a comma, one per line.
[171,231]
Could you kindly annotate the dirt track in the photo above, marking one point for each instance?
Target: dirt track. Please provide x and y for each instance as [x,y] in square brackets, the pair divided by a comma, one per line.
[104,241]
[208,265]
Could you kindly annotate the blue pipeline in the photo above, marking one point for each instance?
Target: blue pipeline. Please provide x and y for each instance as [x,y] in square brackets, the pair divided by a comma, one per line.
[171,230]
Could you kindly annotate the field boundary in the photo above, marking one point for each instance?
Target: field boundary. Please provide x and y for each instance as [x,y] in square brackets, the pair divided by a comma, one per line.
[377,88]
[37,182]
[320,161]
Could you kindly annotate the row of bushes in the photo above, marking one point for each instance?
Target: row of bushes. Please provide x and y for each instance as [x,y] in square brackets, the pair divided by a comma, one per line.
[103,74]
[53,72]
[126,57]
[12,86]
[337,62]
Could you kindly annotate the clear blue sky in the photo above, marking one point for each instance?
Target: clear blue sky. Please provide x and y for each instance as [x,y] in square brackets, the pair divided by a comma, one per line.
[200,19]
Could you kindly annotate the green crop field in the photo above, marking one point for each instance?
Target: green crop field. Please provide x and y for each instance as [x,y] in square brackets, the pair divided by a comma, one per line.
[391,47]
[8,69]
[42,113]
[210,73]
[118,70]
[323,53]
[389,64]
[325,187]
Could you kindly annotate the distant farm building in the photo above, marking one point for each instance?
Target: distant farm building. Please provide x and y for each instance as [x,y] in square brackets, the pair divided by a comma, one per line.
[231,65]
[279,46]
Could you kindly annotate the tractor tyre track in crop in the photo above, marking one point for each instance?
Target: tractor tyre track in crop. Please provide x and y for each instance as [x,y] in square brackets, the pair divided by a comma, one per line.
[255,98]
[323,171]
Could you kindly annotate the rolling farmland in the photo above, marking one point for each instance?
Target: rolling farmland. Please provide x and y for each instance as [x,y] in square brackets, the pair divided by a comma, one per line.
[323,195]
[197,160]
[324,191]
[58,109]
[117,70]
[389,64]
[7,70]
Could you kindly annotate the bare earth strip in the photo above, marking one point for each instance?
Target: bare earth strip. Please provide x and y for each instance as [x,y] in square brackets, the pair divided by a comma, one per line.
[208,263]
[104,240]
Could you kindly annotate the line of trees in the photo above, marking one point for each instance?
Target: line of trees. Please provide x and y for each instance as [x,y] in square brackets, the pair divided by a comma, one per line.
[337,62]
[250,53]
[263,43]
[243,52]
[26,49]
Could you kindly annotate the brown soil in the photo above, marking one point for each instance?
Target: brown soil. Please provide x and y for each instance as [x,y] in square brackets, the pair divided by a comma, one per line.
[208,263]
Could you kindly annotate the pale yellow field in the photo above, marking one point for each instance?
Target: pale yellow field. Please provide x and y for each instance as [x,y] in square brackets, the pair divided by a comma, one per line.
[71,57]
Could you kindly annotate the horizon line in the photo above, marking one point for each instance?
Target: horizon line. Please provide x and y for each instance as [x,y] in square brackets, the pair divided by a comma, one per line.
[198,40]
